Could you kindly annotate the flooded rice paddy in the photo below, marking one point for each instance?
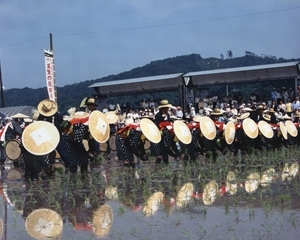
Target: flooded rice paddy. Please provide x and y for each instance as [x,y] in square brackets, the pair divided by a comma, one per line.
[250,197]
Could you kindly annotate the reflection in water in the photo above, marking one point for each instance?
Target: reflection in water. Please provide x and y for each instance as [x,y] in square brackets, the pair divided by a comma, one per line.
[184,195]
[290,171]
[102,221]
[267,177]
[153,203]
[252,182]
[112,193]
[231,183]
[210,193]
[44,223]
[91,208]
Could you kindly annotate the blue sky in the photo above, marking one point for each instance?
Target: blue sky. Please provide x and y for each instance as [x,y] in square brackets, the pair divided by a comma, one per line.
[96,38]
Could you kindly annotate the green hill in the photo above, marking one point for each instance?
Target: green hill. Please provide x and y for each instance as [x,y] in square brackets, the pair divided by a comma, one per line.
[71,95]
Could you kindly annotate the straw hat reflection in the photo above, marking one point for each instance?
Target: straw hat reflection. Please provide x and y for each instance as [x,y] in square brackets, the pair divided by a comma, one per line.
[267,177]
[231,184]
[252,182]
[44,224]
[112,193]
[185,194]
[290,171]
[153,203]
[102,221]
[210,193]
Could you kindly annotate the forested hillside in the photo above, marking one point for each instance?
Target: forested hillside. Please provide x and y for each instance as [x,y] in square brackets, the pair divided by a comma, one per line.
[71,95]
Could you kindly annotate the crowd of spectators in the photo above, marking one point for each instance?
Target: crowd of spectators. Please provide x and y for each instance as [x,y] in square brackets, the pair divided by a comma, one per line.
[282,101]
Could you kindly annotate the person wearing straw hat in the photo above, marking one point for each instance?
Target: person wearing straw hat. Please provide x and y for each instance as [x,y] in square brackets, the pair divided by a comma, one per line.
[166,146]
[72,137]
[129,143]
[12,130]
[48,111]
[244,142]
[216,116]
[273,118]
[94,146]
[257,115]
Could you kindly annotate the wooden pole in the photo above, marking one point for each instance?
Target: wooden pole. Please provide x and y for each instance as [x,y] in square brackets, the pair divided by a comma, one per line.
[1,86]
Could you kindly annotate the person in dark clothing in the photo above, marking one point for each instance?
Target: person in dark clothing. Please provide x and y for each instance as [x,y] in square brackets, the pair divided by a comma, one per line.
[273,119]
[48,111]
[166,146]
[257,115]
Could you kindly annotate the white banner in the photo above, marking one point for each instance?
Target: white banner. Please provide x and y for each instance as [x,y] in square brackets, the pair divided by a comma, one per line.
[50,74]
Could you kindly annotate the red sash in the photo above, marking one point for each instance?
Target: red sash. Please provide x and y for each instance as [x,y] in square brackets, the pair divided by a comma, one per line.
[219,125]
[167,125]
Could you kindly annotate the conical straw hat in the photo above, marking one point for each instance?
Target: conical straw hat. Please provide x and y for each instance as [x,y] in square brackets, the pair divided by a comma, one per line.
[78,117]
[19,115]
[47,107]
[243,116]
[182,132]
[210,193]
[283,130]
[229,132]
[102,221]
[150,130]
[40,138]
[111,117]
[265,129]
[13,175]
[267,177]
[231,185]
[12,150]
[197,118]
[250,128]
[291,128]
[82,103]
[99,126]
[153,203]
[185,194]
[129,121]
[208,128]
[252,182]
[44,224]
